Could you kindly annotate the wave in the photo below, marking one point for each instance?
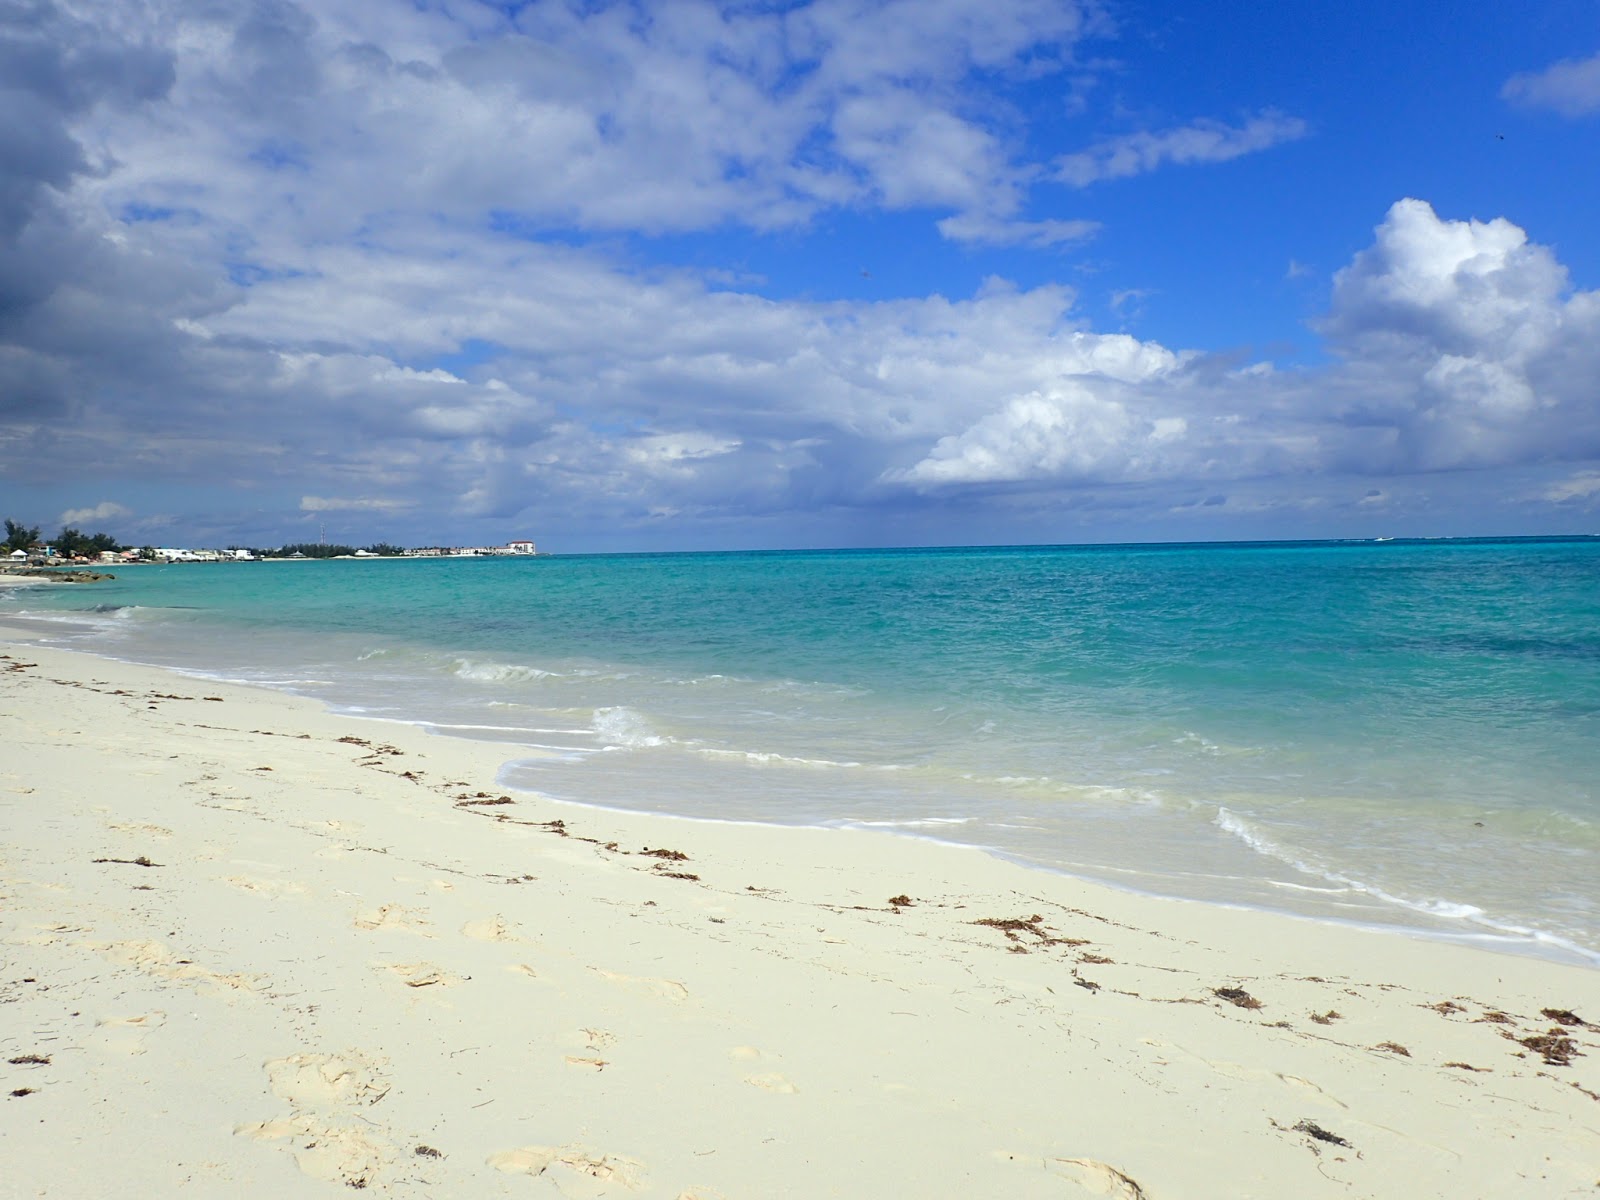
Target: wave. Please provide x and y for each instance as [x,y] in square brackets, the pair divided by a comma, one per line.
[623,728]
[1450,910]
[771,758]
[497,672]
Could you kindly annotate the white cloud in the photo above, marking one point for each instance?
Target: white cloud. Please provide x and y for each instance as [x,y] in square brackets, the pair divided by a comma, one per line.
[321,504]
[106,510]
[300,250]
[1570,87]
[998,231]
[1199,142]
[1582,488]
[1468,342]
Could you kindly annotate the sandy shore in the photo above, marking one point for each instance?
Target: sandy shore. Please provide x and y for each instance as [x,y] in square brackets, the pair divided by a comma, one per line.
[248,946]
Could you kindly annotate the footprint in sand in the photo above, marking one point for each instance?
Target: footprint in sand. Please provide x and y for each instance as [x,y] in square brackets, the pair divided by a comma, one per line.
[771,1081]
[126,1035]
[421,974]
[767,1081]
[330,1138]
[575,1171]
[156,958]
[491,929]
[266,887]
[160,831]
[662,989]
[394,917]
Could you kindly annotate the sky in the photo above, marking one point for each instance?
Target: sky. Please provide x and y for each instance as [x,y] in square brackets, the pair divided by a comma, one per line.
[689,275]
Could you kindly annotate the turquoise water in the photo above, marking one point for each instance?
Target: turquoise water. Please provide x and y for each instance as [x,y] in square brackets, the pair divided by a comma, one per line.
[1396,733]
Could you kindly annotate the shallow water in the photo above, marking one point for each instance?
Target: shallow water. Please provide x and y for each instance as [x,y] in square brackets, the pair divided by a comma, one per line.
[1396,733]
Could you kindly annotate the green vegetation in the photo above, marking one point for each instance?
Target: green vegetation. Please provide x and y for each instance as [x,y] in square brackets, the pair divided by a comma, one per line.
[20,537]
[69,543]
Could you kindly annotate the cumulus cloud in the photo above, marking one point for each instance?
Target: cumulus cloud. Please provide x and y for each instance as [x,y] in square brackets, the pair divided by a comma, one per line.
[1471,345]
[1069,434]
[106,510]
[1200,142]
[338,255]
[1570,87]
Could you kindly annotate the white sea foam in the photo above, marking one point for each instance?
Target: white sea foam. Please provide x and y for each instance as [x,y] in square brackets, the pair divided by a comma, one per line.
[622,728]
[769,758]
[1443,909]
[497,672]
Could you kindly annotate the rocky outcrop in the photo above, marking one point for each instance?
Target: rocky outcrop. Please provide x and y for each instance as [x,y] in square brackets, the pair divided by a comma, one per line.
[57,574]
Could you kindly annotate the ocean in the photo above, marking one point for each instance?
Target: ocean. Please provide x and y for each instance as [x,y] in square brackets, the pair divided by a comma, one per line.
[1401,734]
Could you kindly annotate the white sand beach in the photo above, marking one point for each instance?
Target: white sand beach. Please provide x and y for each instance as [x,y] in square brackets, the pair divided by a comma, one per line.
[253,949]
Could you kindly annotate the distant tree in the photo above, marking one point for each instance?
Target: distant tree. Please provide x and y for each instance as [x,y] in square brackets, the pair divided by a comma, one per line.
[385,549]
[102,542]
[147,553]
[20,537]
[70,542]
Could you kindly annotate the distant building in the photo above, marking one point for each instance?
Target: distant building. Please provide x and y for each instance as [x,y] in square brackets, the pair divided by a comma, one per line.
[521,547]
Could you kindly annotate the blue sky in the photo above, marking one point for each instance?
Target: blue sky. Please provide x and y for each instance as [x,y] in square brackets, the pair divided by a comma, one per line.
[700,275]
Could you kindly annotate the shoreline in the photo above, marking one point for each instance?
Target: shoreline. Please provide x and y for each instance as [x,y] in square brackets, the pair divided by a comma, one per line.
[343,956]
[1388,914]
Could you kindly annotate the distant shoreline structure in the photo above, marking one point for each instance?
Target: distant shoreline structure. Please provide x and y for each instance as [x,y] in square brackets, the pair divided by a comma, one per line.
[46,556]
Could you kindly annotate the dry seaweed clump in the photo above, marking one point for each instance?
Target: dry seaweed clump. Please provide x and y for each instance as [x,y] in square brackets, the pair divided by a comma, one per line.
[1555,1046]
[1015,927]
[1564,1016]
[1312,1129]
[1237,997]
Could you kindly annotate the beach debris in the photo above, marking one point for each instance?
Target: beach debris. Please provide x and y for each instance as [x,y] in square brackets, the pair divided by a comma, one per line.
[486,802]
[1461,1066]
[1556,1046]
[1015,927]
[1236,996]
[141,861]
[1495,1017]
[1564,1016]
[672,855]
[1445,1007]
[900,901]
[1327,1018]
[678,875]
[19,1092]
[30,1060]
[427,1152]
[1393,1048]
[1312,1129]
